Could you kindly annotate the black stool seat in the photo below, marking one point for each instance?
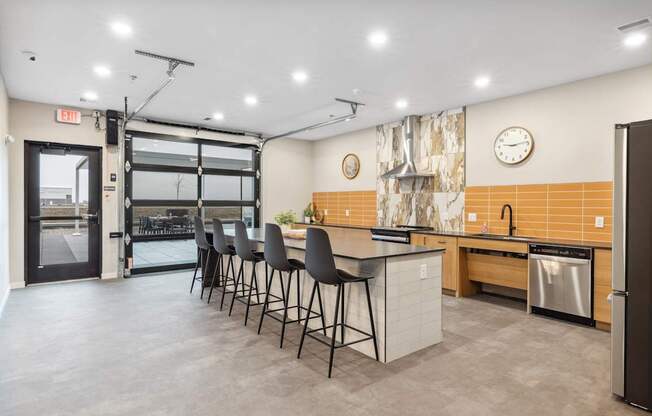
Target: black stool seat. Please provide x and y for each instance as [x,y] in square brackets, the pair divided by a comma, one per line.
[320,264]
[276,258]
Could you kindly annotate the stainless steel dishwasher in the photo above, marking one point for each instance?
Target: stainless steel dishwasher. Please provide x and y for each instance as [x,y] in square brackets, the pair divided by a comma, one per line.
[561,282]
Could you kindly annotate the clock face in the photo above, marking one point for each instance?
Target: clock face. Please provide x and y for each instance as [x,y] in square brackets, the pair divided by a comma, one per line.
[513,145]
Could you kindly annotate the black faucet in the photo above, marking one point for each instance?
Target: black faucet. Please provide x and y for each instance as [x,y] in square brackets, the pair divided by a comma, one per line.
[502,217]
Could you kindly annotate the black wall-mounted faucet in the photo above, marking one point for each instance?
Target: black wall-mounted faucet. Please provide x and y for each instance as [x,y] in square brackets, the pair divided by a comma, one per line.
[502,217]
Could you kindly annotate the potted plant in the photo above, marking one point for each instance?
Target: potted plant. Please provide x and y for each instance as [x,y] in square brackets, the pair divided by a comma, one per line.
[308,213]
[285,219]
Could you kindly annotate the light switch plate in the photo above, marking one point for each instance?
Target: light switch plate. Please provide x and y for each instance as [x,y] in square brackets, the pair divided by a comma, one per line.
[473,217]
[423,272]
[346,212]
[599,222]
[325,212]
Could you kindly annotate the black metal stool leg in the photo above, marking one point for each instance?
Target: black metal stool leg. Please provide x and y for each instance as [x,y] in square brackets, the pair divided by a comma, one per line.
[342,318]
[251,286]
[285,308]
[337,302]
[235,291]
[267,290]
[299,297]
[321,309]
[203,274]
[371,318]
[217,267]
[194,276]
[305,327]
[230,263]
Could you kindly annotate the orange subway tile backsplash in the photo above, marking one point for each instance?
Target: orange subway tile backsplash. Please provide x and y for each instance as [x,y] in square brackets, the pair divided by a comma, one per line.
[563,210]
[361,206]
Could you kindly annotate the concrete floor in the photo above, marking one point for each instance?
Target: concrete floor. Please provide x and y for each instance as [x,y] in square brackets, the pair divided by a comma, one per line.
[144,346]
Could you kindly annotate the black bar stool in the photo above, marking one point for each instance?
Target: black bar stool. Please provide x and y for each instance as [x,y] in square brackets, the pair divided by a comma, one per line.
[203,246]
[276,258]
[223,249]
[244,251]
[320,264]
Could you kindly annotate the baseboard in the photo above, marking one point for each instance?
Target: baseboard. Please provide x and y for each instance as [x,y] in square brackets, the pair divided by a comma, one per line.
[17,285]
[3,300]
[107,276]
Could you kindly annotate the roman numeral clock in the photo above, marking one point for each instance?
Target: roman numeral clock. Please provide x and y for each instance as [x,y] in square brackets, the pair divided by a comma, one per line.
[513,145]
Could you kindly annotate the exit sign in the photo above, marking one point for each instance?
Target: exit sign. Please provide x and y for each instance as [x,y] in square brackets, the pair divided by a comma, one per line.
[68,116]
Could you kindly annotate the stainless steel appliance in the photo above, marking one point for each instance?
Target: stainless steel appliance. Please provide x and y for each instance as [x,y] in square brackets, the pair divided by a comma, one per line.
[397,234]
[631,300]
[561,282]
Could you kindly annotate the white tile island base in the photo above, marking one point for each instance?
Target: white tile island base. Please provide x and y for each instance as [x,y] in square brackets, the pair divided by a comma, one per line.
[406,299]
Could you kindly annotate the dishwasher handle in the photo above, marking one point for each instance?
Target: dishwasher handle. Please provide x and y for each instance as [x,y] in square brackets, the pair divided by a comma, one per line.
[567,260]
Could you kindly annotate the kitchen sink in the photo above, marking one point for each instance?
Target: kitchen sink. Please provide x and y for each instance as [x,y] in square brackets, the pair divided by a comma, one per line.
[501,237]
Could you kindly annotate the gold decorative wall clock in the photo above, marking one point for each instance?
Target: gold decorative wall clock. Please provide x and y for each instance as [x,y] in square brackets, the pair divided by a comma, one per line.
[350,166]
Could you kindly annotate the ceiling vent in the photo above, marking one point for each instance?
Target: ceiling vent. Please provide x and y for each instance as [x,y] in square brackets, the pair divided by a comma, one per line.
[639,24]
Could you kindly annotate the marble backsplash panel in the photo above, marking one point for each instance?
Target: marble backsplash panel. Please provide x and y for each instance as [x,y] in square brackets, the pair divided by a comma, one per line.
[436,201]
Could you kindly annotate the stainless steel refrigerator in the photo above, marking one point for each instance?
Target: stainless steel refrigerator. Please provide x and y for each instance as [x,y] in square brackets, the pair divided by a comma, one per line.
[631,299]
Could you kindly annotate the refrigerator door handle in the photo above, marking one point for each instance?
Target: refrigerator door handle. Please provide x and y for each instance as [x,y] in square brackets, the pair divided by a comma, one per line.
[619,252]
[618,301]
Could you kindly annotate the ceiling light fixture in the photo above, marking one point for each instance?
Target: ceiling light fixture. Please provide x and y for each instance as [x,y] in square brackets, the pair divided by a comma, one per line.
[251,100]
[482,82]
[218,116]
[102,71]
[299,76]
[401,104]
[89,96]
[377,39]
[121,29]
[634,40]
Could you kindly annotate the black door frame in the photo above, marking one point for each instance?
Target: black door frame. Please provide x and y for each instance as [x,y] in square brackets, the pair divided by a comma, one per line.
[65,271]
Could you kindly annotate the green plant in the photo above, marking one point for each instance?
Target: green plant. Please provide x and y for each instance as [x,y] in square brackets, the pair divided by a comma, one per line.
[308,211]
[285,218]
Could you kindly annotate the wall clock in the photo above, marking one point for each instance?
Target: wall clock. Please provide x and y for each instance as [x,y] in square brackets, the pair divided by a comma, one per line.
[350,166]
[513,145]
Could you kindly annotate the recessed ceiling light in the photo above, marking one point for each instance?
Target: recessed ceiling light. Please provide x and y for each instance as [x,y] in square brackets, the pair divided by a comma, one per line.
[102,71]
[218,116]
[482,82]
[377,39]
[299,76]
[90,96]
[251,100]
[401,104]
[634,40]
[121,29]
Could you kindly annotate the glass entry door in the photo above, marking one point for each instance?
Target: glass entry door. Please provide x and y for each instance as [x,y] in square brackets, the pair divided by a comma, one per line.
[63,187]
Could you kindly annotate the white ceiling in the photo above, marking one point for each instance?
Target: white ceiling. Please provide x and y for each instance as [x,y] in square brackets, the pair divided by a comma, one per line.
[434,52]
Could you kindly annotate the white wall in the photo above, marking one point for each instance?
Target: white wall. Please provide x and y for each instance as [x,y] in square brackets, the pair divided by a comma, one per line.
[287,177]
[327,162]
[4,197]
[572,125]
[35,121]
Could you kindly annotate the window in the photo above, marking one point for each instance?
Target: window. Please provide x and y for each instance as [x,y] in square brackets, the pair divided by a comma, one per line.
[169,178]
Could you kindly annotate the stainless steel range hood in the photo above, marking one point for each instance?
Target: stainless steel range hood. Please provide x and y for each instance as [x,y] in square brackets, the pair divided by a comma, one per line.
[408,169]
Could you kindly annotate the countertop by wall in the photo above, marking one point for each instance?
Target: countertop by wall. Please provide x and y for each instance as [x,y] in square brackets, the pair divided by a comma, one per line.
[524,239]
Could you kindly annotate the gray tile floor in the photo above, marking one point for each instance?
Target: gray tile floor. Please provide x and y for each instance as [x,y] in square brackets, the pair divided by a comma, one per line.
[157,253]
[144,346]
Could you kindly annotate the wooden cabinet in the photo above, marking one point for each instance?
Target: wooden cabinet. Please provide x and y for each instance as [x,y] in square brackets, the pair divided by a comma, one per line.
[449,259]
[601,285]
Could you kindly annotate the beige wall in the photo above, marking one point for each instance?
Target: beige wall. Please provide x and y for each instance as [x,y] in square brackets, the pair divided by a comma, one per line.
[35,121]
[4,196]
[287,177]
[572,125]
[327,162]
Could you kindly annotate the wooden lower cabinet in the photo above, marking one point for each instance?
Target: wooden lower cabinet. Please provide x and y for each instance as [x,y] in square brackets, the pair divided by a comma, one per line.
[450,260]
[601,285]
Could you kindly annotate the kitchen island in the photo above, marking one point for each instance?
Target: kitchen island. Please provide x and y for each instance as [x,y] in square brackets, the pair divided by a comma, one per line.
[406,292]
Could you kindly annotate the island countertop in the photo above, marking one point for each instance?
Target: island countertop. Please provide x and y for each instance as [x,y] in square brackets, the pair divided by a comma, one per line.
[348,243]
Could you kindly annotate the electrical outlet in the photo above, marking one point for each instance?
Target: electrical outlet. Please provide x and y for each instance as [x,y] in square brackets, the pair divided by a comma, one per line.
[325,212]
[346,212]
[599,222]
[473,217]
[423,272]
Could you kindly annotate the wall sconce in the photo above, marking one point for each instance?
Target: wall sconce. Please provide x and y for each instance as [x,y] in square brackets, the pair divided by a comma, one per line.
[9,139]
